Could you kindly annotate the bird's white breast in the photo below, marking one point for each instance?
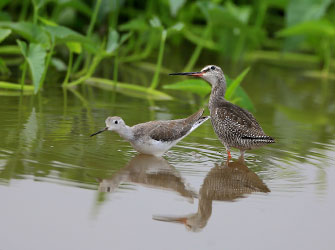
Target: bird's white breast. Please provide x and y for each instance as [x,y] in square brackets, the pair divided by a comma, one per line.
[153,147]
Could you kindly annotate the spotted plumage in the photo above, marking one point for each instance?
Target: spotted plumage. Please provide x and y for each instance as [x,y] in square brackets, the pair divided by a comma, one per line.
[155,137]
[234,126]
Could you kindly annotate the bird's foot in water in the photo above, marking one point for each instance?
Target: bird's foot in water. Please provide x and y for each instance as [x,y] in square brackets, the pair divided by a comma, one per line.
[229,156]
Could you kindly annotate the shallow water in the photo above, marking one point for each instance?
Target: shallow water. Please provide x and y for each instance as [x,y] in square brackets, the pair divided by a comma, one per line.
[61,189]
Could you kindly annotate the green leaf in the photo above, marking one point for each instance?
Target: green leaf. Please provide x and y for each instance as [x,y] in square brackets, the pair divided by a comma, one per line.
[74,47]
[312,28]
[14,86]
[138,24]
[78,5]
[204,7]
[195,86]
[47,21]
[299,11]
[192,37]
[235,83]
[4,33]
[113,41]
[36,60]
[23,47]
[155,22]
[128,89]
[176,28]
[241,13]
[58,64]
[63,34]
[149,66]
[35,55]
[175,6]
[10,49]
[29,31]
[124,38]
[229,15]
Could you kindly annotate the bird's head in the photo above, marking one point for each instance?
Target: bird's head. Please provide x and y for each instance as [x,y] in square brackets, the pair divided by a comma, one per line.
[211,73]
[113,123]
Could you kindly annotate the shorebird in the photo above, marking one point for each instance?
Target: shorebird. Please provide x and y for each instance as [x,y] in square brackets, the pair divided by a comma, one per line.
[234,126]
[155,137]
[152,171]
[226,182]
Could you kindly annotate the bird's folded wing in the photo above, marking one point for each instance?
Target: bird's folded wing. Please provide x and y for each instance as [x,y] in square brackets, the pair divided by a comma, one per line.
[239,119]
[169,130]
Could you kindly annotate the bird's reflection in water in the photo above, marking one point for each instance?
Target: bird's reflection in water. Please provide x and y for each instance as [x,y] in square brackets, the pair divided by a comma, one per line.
[151,171]
[225,182]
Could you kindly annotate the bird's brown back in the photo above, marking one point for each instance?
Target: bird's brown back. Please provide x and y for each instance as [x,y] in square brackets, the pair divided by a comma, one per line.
[168,130]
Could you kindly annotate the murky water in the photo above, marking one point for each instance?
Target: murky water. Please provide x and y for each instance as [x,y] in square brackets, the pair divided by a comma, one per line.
[61,189]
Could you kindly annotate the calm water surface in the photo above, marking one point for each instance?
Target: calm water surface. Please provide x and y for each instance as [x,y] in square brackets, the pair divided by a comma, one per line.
[61,189]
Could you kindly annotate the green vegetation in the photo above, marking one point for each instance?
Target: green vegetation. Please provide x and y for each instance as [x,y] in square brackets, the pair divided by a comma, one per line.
[72,39]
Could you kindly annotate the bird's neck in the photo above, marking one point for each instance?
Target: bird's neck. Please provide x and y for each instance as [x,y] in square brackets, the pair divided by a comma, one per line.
[218,91]
[199,220]
[126,133]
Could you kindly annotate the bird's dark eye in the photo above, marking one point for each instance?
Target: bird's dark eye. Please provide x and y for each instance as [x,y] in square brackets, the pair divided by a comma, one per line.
[212,68]
[115,122]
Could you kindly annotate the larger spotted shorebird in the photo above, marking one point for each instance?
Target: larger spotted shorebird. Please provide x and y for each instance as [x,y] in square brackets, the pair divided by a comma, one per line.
[155,137]
[235,126]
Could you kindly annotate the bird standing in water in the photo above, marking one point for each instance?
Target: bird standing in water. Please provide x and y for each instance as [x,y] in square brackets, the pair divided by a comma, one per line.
[235,126]
[155,137]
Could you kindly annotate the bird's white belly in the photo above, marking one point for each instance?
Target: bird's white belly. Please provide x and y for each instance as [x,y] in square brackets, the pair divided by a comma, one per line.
[153,147]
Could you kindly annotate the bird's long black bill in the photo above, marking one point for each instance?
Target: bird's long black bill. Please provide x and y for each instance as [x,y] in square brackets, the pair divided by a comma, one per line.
[187,74]
[100,131]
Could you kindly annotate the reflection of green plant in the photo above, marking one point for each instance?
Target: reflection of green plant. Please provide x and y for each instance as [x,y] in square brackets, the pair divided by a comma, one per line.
[84,35]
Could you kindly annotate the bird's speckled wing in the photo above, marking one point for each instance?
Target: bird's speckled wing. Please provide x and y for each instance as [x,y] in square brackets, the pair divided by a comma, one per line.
[236,120]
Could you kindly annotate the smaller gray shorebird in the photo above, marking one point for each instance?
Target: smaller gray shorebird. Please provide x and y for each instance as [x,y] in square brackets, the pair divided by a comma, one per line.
[235,126]
[155,137]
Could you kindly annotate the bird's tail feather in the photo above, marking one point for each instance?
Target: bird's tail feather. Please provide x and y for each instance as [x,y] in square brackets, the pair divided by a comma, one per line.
[265,138]
[195,117]
[200,121]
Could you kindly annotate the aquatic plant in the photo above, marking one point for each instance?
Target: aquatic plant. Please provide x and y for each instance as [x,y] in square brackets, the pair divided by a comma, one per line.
[72,39]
